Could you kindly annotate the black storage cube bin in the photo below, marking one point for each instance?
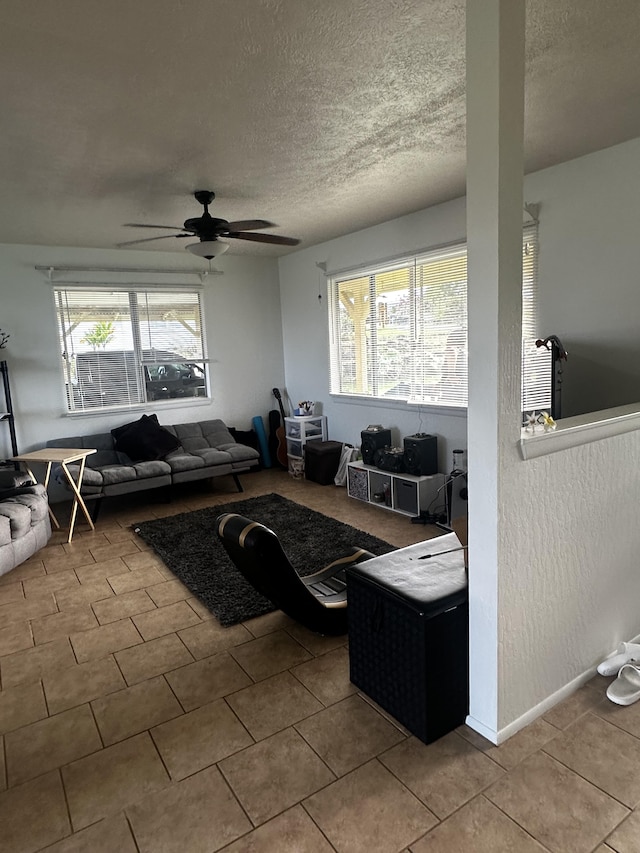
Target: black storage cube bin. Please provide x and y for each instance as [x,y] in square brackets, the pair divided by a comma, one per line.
[410,657]
[406,496]
[322,459]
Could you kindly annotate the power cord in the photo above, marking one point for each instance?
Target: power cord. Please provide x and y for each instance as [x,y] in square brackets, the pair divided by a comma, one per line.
[430,518]
[439,515]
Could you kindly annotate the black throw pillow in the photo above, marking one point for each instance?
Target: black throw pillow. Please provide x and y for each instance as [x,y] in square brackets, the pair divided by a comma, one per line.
[118,431]
[144,440]
[24,489]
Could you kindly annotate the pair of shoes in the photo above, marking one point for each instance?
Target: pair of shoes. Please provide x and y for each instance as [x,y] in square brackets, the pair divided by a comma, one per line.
[625,690]
[627,653]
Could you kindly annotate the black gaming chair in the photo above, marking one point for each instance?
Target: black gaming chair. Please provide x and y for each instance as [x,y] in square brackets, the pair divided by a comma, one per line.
[318,601]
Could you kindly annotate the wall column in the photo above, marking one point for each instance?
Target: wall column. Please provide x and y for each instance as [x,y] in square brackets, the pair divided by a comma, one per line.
[495,118]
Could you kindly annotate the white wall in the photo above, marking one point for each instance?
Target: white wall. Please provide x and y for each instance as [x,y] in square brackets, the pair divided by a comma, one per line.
[589,273]
[243,331]
[568,519]
[571,592]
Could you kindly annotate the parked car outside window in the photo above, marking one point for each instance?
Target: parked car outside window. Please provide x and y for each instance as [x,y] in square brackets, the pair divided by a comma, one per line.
[110,377]
[174,379]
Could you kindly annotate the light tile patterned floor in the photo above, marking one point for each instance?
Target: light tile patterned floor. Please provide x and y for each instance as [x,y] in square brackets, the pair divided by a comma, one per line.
[131,721]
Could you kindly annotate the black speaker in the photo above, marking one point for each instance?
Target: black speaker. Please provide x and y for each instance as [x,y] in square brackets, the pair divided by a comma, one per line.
[421,454]
[372,440]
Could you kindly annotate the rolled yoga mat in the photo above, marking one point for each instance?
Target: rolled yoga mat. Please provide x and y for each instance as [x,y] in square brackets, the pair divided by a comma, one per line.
[258,425]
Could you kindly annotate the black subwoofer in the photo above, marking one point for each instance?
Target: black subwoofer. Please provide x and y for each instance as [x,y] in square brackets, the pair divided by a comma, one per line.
[421,454]
[372,440]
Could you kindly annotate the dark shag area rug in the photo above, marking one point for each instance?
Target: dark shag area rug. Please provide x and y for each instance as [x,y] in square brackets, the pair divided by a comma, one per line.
[189,547]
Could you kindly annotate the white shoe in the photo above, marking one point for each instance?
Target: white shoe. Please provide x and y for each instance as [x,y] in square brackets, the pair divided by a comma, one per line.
[627,653]
[625,690]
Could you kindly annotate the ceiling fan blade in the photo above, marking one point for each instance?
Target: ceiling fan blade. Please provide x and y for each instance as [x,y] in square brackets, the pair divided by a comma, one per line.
[249,225]
[140,225]
[150,239]
[264,238]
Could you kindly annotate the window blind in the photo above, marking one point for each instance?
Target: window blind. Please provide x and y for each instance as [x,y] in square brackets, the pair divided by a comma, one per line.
[124,347]
[399,331]
[537,363]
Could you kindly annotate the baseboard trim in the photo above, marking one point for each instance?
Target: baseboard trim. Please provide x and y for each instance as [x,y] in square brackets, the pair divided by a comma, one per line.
[501,735]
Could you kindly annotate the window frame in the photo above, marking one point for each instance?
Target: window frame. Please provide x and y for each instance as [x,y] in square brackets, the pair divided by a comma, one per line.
[455,255]
[128,366]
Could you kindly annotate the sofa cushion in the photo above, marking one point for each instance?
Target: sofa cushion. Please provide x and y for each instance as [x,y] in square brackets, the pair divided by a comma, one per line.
[203,435]
[240,452]
[154,468]
[101,442]
[118,474]
[36,501]
[184,461]
[105,454]
[105,457]
[216,432]
[5,530]
[91,476]
[144,440]
[192,443]
[19,516]
[212,456]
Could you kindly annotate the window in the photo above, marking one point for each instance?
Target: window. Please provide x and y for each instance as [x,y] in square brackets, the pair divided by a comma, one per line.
[126,347]
[399,331]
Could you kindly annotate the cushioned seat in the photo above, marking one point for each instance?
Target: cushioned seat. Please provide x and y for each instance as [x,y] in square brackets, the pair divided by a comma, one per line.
[25,526]
[213,456]
[184,461]
[155,468]
[318,601]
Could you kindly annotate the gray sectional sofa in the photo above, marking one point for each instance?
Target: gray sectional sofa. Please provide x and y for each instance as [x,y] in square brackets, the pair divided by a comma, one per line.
[25,526]
[198,451]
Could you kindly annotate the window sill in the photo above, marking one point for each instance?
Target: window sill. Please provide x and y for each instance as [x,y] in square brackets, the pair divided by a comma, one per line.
[386,403]
[581,429]
[160,405]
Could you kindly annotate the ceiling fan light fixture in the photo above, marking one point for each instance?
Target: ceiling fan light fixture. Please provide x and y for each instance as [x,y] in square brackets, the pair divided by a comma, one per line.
[208,248]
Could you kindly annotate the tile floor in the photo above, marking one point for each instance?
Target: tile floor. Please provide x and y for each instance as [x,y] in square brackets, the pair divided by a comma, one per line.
[131,721]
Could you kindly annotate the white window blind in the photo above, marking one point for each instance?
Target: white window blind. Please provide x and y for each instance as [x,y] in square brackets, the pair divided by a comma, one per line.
[400,331]
[537,363]
[125,347]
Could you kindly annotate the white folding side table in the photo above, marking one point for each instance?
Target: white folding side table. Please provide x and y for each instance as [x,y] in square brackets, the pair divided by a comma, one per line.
[62,456]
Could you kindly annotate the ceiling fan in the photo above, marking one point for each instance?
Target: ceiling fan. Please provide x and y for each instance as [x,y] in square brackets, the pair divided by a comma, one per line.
[208,229]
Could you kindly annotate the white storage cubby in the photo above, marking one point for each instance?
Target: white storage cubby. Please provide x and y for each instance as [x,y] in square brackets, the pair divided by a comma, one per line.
[404,493]
[298,431]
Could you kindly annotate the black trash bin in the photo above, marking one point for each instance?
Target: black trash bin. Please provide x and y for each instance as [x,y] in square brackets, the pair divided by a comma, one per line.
[409,635]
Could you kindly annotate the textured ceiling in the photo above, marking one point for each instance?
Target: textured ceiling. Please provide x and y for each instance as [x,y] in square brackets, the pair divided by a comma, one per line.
[323,116]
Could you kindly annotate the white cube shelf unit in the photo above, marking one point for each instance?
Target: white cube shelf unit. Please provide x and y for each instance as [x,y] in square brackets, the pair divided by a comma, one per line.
[404,493]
